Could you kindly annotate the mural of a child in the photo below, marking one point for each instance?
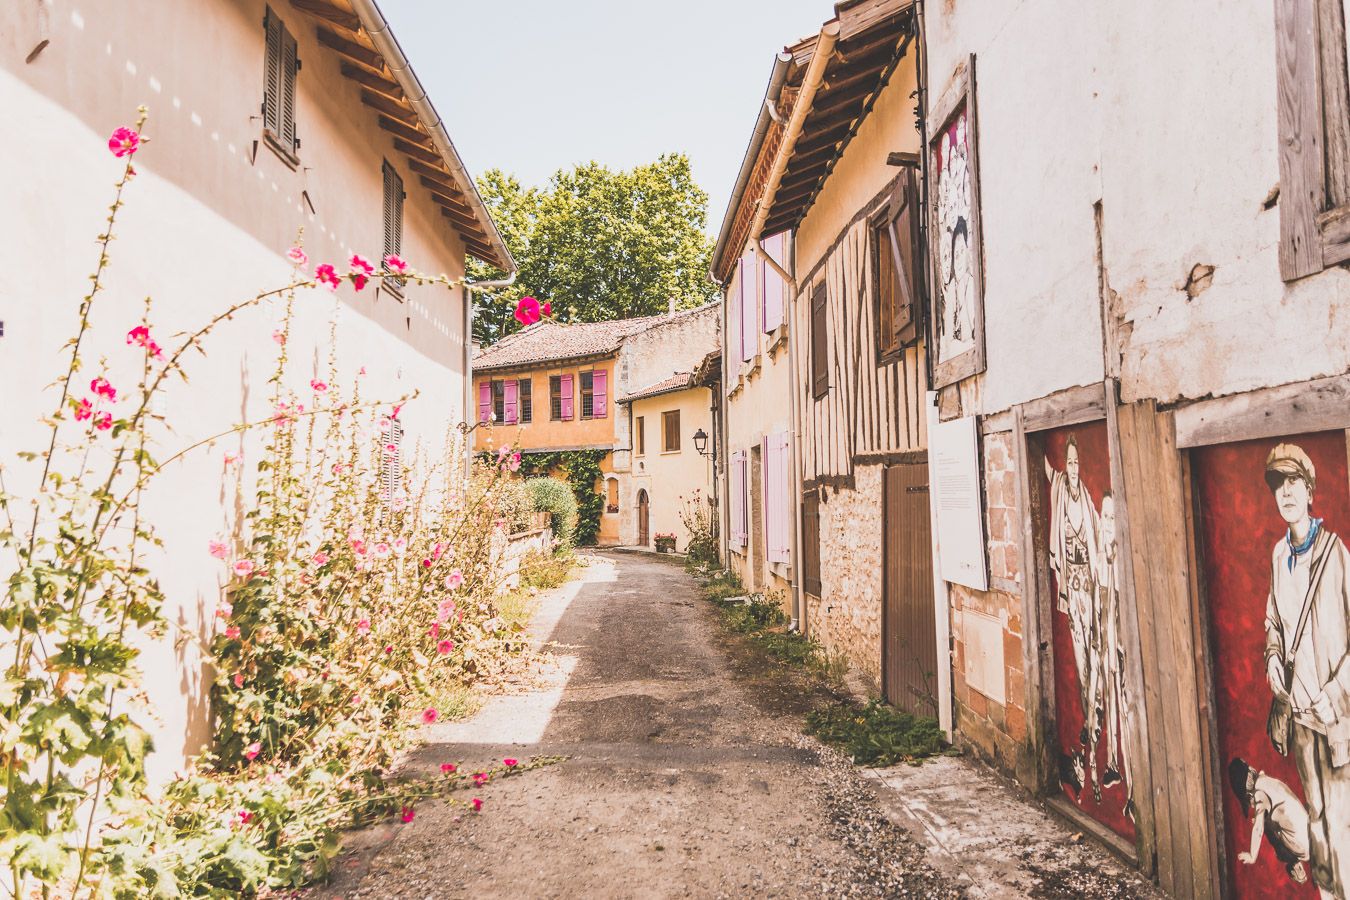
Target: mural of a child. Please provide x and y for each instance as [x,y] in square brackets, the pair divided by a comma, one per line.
[1278,815]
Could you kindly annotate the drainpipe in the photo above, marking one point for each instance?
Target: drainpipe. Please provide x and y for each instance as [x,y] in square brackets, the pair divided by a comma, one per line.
[798,588]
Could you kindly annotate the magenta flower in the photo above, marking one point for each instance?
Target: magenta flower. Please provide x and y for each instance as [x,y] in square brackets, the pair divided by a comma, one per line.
[434,631]
[83,410]
[218,549]
[245,817]
[297,256]
[360,264]
[244,567]
[408,814]
[548,308]
[527,311]
[102,388]
[363,626]
[232,459]
[326,275]
[395,264]
[238,679]
[448,768]
[476,803]
[429,715]
[444,647]
[232,632]
[140,336]
[510,763]
[320,558]
[480,779]
[280,337]
[124,142]
[318,386]
[253,750]
[381,549]
[514,465]
[437,550]
[454,579]
[103,421]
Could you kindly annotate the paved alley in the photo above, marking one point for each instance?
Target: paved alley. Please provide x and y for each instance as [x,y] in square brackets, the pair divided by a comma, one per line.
[686,774]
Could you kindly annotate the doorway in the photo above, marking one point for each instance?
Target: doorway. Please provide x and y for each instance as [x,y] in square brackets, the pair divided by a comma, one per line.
[644,519]
[909,625]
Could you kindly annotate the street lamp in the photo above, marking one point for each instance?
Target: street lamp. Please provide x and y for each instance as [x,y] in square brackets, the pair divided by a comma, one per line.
[701,442]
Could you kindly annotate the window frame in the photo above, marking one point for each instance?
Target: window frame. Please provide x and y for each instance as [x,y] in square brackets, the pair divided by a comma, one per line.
[555,398]
[640,433]
[498,401]
[1314,136]
[666,431]
[280,49]
[888,237]
[586,392]
[524,400]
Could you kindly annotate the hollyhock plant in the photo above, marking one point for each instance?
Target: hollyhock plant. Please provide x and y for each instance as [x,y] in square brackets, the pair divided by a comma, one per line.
[244,567]
[395,264]
[527,311]
[448,768]
[102,388]
[510,763]
[547,309]
[326,275]
[319,558]
[361,271]
[297,256]
[429,715]
[252,751]
[279,337]
[363,626]
[480,779]
[83,410]
[444,647]
[319,387]
[232,632]
[476,804]
[407,814]
[124,142]
[218,549]
[103,421]
[454,579]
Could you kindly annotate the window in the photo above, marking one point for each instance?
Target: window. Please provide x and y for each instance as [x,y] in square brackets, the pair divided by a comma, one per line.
[820,375]
[772,286]
[560,398]
[611,495]
[391,473]
[587,395]
[594,394]
[670,431]
[811,543]
[278,106]
[1314,132]
[393,223]
[895,277]
[498,401]
[640,435]
[526,401]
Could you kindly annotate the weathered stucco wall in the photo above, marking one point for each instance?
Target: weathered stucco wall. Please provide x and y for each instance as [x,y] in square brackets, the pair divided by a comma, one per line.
[205,225]
[668,478]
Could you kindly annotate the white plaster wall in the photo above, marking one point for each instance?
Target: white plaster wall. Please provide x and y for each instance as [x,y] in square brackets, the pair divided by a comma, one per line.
[668,478]
[1171,124]
[203,227]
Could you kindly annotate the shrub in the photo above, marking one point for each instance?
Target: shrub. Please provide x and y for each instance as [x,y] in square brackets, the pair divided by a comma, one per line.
[699,518]
[556,498]
[516,505]
[877,734]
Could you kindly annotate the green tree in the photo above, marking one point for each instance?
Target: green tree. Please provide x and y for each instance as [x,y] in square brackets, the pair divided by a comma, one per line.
[598,243]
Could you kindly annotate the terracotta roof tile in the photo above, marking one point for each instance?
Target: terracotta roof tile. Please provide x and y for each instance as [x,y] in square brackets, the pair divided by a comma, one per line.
[677,382]
[549,341]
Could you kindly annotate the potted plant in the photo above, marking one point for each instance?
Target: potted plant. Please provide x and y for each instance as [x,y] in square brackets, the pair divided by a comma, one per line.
[665,543]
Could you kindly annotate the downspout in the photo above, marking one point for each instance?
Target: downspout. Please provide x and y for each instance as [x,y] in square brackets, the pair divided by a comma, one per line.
[798,588]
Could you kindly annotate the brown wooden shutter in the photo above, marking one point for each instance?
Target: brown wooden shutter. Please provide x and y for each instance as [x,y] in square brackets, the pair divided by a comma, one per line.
[904,245]
[272,73]
[289,65]
[820,373]
[393,219]
[811,543]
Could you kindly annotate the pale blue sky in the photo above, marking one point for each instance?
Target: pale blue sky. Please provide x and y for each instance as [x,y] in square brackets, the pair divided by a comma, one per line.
[531,86]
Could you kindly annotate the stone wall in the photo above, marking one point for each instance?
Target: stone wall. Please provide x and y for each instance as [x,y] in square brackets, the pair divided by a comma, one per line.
[995,732]
[846,619]
[511,550]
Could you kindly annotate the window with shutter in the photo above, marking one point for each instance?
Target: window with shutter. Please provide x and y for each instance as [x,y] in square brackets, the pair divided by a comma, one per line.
[484,401]
[587,395]
[526,401]
[811,543]
[280,65]
[393,223]
[820,375]
[1314,130]
[566,405]
[774,287]
[736,499]
[749,309]
[555,398]
[733,328]
[498,403]
[510,402]
[391,475]
[600,394]
[640,434]
[777,522]
[670,431]
[896,280]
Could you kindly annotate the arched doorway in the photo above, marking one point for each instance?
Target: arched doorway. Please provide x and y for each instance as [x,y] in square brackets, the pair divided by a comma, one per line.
[644,530]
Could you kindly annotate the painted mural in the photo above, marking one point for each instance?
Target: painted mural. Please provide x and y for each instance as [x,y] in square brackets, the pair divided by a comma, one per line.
[1094,706]
[956,257]
[1272,516]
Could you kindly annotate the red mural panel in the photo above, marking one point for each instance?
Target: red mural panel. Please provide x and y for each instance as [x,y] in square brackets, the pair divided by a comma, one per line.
[1094,707]
[1266,556]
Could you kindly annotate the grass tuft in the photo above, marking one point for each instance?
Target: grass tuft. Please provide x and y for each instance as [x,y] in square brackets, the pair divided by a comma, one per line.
[877,734]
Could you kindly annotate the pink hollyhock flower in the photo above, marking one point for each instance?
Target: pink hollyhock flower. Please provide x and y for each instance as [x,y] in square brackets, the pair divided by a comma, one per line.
[363,626]
[502,451]
[103,421]
[445,609]
[480,779]
[140,337]
[426,564]
[437,550]
[238,679]
[388,648]
[232,459]
[318,386]
[101,387]
[360,264]
[326,275]
[280,337]
[548,308]
[361,371]
[356,700]
[514,465]
[476,803]
[225,610]
[297,256]
[320,558]
[253,750]
[381,549]
[448,768]
[244,567]
[359,281]
[444,647]
[245,817]
[339,468]
[359,547]
[400,545]
[454,579]
[83,410]
[124,142]
[429,715]
[232,632]
[435,630]
[397,409]
[395,264]
[527,311]
[408,814]
[218,549]
[510,763]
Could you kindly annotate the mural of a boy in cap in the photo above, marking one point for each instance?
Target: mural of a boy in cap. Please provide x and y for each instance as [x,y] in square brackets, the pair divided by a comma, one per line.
[1308,663]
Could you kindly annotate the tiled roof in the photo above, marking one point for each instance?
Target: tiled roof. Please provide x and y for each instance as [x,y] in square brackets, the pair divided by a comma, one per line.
[677,382]
[548,341]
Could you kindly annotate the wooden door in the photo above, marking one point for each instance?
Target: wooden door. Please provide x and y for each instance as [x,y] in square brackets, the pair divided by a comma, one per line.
[644,535]
[909,626]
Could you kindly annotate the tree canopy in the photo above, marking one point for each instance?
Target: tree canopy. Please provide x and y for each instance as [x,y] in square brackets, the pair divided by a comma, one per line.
[598,243]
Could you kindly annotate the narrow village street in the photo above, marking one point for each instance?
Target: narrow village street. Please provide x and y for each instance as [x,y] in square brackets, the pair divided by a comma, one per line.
[684,760]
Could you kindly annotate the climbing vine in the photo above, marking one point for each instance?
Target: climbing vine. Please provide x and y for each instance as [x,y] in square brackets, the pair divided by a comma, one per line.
[582,468]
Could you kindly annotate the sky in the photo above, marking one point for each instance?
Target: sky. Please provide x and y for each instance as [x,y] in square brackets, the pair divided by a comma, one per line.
[532,86]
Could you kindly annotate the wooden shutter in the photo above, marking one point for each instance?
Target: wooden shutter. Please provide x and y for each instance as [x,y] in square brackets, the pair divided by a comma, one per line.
[903,231]
[820,374]
[777,521]
[736,498]
[775,289]
[811,543]
[393,218]
[272,73]
[749,310]
[484,401]
[510,402]
[565,385]
[600,394]
[289,65]
[391,474]
[733,327]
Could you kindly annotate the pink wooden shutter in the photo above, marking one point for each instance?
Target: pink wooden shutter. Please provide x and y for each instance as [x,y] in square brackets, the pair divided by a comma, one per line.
[780,542]
[567,398]
[774,286]
[736,496]
[733,326]
[510,402]
[749,311]
[484,401]
[599,393]
[767,504]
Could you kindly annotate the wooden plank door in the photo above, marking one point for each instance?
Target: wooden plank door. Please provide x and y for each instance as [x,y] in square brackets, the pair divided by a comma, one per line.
[644,536]
[908,625]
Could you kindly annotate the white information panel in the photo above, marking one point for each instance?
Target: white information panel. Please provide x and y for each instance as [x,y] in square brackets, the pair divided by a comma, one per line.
[954,476]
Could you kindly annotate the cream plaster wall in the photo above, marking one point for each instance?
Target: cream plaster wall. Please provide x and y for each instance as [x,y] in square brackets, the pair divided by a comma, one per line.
[204,226]
[668,478]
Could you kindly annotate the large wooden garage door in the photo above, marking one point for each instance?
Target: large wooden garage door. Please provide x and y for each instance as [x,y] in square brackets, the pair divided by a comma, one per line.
[909,636]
